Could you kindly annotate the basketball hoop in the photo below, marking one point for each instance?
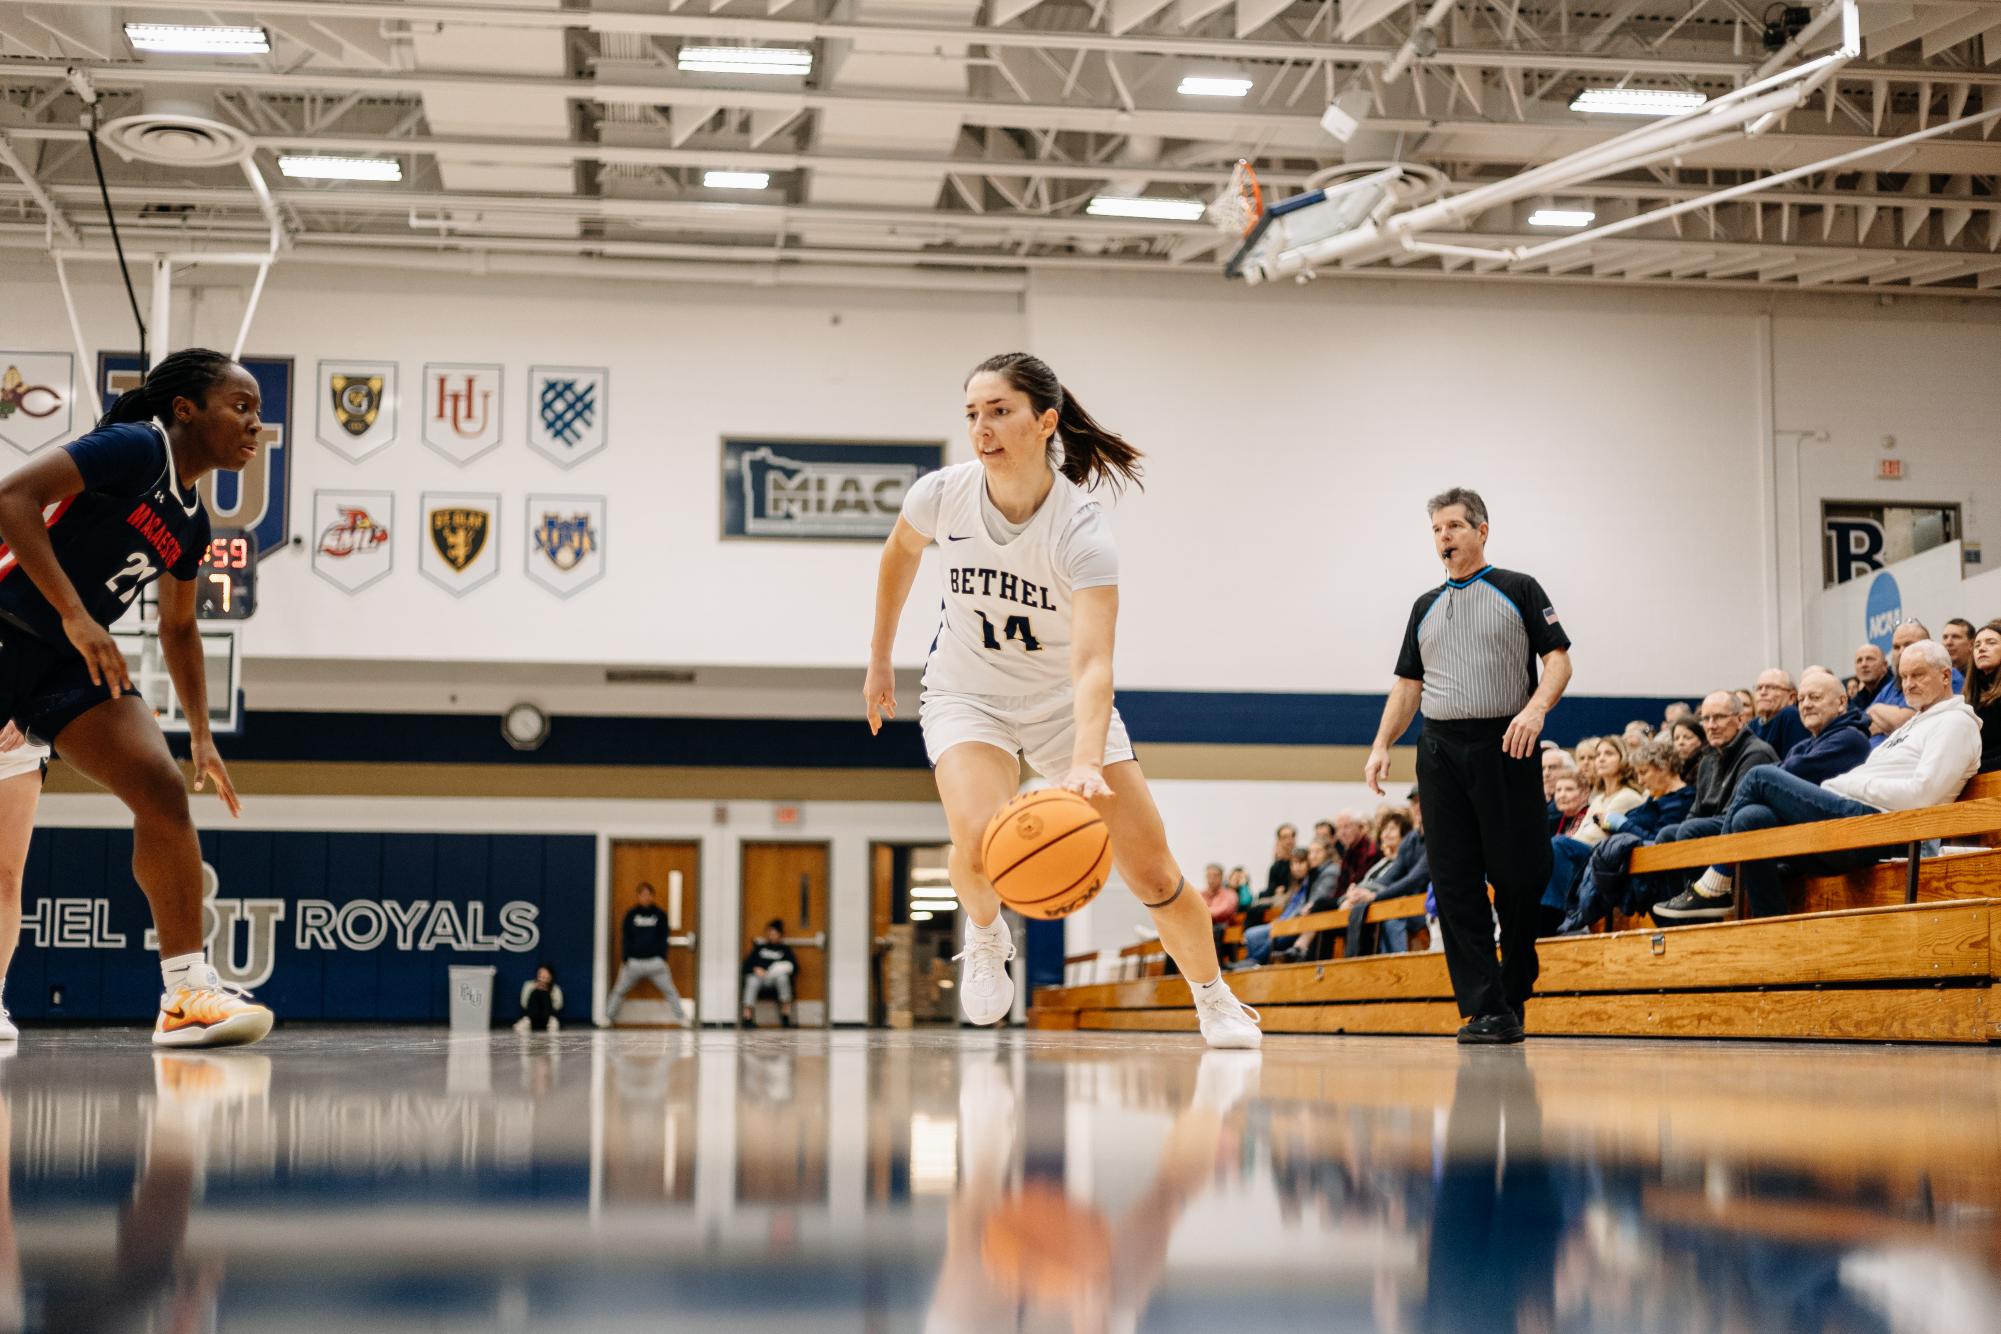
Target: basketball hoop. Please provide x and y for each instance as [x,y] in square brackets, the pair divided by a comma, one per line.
[1237,209]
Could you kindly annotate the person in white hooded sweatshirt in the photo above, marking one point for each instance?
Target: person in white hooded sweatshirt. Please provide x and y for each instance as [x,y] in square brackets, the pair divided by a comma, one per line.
[1925,762]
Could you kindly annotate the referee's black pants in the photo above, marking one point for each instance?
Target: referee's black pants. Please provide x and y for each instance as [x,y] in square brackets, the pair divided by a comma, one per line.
[1483,824]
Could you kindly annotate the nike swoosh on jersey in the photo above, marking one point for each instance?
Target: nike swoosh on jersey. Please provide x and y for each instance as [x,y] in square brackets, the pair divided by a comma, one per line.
[950,538]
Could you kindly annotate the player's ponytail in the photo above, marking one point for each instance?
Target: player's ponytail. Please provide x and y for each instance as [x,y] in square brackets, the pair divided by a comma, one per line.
[187,374]
[1091,454]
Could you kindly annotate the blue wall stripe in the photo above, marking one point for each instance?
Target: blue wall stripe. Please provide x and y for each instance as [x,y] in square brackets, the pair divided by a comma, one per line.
[1172,717]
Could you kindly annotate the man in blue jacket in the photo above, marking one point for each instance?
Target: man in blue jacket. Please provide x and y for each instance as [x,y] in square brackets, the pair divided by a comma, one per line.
[1837,732]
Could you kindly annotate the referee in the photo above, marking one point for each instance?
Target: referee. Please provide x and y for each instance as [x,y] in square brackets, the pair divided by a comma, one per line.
[1469,655]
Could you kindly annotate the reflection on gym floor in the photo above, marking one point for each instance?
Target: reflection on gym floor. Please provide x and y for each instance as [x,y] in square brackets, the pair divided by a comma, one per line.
[957,1181]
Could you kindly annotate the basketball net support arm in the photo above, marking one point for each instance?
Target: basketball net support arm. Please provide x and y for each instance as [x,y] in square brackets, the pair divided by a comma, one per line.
[163,262]
[1744,112]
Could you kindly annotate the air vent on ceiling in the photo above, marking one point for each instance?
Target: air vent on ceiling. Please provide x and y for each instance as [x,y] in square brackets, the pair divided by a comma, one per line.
[176,136]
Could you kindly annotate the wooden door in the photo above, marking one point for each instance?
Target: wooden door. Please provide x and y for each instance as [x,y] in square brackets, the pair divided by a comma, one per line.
[661,865]
[789,881]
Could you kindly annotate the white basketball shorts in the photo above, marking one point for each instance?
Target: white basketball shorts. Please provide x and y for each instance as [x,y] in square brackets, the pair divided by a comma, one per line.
[1042,728]
[21,760]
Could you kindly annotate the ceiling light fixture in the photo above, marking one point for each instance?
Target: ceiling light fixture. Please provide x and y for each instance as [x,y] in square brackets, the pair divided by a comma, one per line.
[1141,206]
[1635,101]
[736,180]
[185,39]
[1571,218]
[308,168]
[1197,86]
[790,61]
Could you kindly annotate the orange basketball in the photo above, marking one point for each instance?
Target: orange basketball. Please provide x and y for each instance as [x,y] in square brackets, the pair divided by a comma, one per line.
[1040,1245]
[1048,853]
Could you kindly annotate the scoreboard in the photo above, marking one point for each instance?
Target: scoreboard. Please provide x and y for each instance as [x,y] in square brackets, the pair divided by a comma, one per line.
[226,588]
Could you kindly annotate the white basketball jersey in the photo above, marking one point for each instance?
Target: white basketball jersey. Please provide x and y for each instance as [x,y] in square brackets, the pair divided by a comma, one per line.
[1005,629]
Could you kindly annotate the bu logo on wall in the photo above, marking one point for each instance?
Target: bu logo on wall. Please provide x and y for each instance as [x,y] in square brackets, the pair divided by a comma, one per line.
[37,399]
[462,409]
[258,498]
[810,489]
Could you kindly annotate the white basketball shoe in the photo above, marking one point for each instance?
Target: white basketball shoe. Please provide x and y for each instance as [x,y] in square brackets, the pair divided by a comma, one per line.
[986,992]
[1227,1022]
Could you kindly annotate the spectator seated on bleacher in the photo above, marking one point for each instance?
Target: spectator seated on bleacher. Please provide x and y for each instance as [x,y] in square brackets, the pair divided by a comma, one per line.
[1837,733]
[1983,692]
[1603,886]
[1872,673]
[1690,745]
[1638,733]
[1731,752]
[1925,762]
[1318,880]
[1775,715]
[1279,879]
[1219,898]
[1355,849]
[1891,709]
[1265,907]
[1613,791]
[1400,868]
[1556,762]
[1957,640]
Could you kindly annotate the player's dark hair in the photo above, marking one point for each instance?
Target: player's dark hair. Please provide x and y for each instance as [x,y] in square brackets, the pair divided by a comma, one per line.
[1091,454]
[189,373]
[776,924]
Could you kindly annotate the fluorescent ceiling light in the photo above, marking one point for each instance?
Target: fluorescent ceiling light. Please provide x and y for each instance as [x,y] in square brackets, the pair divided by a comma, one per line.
[1140,206]
[931,873]
[1194,86]
[341,168]
[920,917]
[182,39]
[782,60]
[736,180]
[1561,217]
[1635,101]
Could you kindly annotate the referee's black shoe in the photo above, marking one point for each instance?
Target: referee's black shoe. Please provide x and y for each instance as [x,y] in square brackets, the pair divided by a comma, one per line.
[1492,1030]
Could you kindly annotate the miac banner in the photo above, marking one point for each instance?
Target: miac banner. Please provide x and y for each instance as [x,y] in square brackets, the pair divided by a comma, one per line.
[259,497]
[819,490]
[320,925]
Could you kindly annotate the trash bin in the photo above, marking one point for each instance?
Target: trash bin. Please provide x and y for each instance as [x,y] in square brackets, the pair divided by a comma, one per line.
[472,997]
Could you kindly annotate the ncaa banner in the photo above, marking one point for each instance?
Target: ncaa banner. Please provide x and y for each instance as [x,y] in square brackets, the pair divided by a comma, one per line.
[565,542]
[37,399]
[462,409]
[815,490]
[357,412]
[322,925]
[568,407]
[459,548]
[258,498]
[356,542]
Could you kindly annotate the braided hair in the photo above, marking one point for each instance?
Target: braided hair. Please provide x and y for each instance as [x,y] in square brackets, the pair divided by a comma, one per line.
[189,373]
[1091,454]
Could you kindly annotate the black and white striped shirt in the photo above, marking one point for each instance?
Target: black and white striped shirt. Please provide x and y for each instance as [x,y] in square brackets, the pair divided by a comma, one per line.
[1475,644]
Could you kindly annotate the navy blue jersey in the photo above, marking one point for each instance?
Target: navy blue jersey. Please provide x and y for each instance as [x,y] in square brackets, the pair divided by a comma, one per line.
[132,522]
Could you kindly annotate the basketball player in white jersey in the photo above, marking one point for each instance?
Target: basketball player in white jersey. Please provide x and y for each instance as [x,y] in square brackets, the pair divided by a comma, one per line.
[20,793]
[1023,665]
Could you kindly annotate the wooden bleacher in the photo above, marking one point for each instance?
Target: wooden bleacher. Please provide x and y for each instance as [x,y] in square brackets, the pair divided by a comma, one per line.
[1904,951]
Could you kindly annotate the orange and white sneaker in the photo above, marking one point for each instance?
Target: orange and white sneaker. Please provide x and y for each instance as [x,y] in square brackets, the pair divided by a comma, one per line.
[204,1012]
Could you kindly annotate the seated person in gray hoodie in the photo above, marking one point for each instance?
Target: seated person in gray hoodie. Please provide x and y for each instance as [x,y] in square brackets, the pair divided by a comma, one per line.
[1925,762]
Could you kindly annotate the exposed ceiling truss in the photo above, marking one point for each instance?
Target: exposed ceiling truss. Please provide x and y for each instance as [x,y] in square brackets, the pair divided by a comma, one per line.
[964,139]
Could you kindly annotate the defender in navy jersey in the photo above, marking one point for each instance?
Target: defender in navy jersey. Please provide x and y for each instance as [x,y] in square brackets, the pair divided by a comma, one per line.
[84,529]
[1022,666]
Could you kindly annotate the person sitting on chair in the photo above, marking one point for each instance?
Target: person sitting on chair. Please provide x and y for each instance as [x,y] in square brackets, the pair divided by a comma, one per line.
[768,970]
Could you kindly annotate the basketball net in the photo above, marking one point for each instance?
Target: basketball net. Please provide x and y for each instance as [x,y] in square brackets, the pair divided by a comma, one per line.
[1237,209]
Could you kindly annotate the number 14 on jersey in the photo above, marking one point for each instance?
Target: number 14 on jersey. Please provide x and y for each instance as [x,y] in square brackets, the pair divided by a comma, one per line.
[1016,627]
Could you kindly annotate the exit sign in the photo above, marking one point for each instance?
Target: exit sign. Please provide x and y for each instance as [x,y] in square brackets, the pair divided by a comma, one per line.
[1890,469]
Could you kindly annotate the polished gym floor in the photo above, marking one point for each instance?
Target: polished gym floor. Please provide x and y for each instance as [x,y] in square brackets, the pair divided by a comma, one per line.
[943,1180]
